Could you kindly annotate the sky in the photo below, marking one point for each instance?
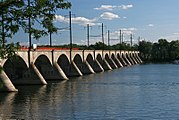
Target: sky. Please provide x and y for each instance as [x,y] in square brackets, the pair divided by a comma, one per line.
[148,19]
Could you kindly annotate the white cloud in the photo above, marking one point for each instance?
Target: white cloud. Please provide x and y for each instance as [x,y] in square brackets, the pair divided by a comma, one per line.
[84,21]
[170,37]
[175,33]
[109,16]
[125,31]
[150,25]
[106,7]
[77,20]
[125,7]
[113,7]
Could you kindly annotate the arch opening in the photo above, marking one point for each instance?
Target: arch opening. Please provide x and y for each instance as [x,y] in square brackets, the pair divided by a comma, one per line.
[16,69]
[78,61]
[64,63]
[44,66]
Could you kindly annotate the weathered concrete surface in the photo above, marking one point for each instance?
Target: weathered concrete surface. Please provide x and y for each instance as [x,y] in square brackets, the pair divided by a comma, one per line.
[35,67]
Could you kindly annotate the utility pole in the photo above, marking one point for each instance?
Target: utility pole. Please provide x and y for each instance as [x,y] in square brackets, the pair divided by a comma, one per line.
[3,29]
[108,38]
[30,39]
[139,40]
[29,24]
[71,46]
[120,37]
[88,34]
[102,35]
[131,37]
[50,37]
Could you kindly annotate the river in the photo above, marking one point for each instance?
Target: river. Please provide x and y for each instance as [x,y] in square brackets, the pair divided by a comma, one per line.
[139,92]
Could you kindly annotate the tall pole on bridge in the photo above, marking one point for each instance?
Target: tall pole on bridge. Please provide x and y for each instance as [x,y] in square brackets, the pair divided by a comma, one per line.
[71,46]
[120,36]
[88,35]
[108,38]
[102,35]
[29,30]
[70,31]
[131,37]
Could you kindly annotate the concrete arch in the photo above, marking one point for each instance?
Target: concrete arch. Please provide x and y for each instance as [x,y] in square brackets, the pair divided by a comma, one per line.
[119,57]
[78,61]
[77,58]
[110,61]
[79,53]
[99,58]
[132,55]
[129,59]
[116,61]
[64,63]
[113,56]
[90,59]
[15,68]
[47,55]
[44,66]
[124,57]
[86,54]
[105,65]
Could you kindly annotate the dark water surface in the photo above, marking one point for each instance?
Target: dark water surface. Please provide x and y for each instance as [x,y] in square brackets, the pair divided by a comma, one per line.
[141,92]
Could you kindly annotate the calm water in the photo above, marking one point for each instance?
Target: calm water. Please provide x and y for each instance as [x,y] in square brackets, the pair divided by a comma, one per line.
[141,92]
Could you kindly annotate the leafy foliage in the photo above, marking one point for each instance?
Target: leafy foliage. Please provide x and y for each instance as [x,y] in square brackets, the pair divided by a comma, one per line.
[162,51]
[33,16]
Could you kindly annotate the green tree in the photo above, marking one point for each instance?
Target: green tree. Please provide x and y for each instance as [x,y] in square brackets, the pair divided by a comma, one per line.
[145,49]
[99,46]
[174,50]
[164,49]
[28,15]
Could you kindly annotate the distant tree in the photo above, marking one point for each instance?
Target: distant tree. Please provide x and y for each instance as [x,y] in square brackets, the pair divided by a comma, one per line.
[164,49]
[145,49]
[99,46]
[174,50]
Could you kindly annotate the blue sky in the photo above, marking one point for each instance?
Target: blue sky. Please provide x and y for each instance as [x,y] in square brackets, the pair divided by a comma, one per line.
[149,19]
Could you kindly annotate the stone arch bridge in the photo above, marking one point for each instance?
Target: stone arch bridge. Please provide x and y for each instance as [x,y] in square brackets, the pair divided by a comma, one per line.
[36,67]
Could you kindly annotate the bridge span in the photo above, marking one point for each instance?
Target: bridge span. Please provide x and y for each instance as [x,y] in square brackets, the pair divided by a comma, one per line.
[37,67]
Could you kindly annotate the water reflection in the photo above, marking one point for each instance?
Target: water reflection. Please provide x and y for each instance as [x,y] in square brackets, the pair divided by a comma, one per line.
[134,93]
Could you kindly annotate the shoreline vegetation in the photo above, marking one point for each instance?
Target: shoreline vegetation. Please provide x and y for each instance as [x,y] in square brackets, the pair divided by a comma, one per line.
[162,51]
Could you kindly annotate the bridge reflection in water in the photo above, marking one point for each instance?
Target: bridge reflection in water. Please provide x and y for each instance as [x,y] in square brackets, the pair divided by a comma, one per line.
[35,67]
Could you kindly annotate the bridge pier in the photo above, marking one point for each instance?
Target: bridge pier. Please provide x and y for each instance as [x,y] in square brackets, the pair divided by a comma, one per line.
[60,71]
[97,66]
[134,59]
[41,79]
[123,62]
[105,65]
[130,59]
[118,63]
[127,61]
[138,61]
[139,58]
[74,70]
[7,85]
[87,69]
[111,63]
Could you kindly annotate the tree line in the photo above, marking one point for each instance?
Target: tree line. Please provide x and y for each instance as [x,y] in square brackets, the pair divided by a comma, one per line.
[161,51]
